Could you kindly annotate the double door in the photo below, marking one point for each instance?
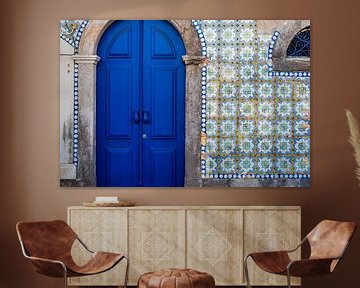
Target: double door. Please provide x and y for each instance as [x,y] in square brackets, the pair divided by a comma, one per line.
[140,105]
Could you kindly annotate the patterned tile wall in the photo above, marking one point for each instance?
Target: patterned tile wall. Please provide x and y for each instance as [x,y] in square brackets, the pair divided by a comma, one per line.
[256,122]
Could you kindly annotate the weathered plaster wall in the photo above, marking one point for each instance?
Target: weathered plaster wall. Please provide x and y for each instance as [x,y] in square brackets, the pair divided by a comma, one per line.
[29,120]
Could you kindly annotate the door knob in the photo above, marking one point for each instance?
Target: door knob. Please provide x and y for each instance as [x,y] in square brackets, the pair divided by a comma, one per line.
[146,117]
[144,136]
[136,117]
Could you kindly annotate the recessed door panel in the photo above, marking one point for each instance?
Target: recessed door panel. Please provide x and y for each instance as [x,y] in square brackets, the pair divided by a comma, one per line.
[121,44]
[163,170]
[119,161]
[163,102]
[161,45]
[119,104]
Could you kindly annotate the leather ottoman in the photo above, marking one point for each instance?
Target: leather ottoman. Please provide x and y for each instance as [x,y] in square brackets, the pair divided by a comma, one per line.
[176,278]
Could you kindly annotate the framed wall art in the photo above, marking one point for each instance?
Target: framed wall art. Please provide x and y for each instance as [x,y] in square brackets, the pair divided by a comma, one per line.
[185,103]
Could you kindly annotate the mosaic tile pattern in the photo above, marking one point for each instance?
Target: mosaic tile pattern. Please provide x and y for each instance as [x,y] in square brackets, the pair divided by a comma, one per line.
[256,121]
[71,31]
[76,115]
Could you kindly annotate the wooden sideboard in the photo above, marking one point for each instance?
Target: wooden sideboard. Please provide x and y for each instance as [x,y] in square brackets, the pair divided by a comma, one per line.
[212,239]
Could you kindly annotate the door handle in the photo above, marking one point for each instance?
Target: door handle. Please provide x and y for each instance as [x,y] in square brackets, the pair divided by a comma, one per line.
[146,117]
[136,117]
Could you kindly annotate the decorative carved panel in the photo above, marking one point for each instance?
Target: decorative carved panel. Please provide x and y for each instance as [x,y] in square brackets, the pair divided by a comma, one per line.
[268,230]
[100,230]
[214,241]
[156,240]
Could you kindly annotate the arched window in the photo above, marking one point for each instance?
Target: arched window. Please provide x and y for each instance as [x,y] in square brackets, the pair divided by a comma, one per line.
[300,44]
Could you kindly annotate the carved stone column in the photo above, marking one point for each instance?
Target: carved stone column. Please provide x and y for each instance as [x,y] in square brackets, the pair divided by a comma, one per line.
[86,170]
[193,120]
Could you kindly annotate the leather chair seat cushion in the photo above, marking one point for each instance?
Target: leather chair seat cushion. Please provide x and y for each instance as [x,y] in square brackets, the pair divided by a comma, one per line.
[176,278]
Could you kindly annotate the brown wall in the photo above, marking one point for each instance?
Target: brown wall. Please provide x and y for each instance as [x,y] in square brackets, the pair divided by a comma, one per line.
[29,119]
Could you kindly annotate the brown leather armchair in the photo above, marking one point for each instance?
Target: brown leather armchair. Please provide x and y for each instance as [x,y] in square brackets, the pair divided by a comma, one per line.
[328,242]
[48,245]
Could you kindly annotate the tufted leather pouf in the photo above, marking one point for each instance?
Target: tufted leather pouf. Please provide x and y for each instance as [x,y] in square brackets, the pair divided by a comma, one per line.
[176,278]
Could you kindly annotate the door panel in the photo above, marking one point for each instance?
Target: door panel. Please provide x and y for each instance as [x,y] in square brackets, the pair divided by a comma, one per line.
[119,83]
[163,103]
[119,159]
[161,45]
[164,74]
[164,174]
[121,44]
[140,105]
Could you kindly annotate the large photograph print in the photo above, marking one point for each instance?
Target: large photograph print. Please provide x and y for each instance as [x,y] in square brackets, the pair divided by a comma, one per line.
[185,103]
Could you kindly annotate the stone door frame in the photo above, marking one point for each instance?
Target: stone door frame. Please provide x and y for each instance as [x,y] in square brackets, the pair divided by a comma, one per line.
[87,60]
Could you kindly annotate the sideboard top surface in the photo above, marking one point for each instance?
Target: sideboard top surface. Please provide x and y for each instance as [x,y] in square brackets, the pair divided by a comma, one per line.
[193,207]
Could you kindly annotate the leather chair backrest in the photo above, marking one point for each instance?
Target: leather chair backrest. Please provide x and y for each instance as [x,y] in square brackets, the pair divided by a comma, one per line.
[329,239]
[46,239]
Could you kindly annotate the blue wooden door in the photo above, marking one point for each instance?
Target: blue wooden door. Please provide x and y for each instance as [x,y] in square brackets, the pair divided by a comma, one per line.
[140,116]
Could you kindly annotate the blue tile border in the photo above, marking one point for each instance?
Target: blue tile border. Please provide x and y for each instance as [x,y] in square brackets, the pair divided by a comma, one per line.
[76,115]
[200,33]
[259,176]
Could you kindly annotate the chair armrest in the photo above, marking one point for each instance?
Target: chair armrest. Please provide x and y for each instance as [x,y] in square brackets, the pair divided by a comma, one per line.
[309,267]
[83,244]
[270,252]
[281,251]
[271,261]
[49,267]
[298,246]
[267,254]
[45,260]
